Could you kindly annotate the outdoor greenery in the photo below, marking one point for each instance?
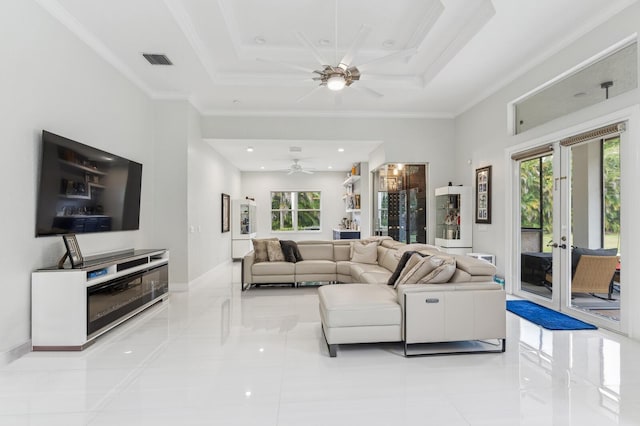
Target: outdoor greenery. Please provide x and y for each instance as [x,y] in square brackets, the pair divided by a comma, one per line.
[611,185]
[536,212]
[303,206]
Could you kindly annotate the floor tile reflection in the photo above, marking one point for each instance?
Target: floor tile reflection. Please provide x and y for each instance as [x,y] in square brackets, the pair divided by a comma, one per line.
[216,355]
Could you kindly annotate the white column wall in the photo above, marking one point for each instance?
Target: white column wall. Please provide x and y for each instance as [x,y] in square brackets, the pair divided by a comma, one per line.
[209,175]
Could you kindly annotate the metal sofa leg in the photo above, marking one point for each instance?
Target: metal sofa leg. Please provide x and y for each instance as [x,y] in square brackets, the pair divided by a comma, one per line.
[333,349]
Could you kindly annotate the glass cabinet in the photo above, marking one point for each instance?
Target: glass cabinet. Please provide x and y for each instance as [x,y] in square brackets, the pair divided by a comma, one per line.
[243,227]
[453,218]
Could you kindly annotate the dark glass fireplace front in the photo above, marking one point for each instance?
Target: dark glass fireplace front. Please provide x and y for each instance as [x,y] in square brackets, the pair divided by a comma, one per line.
[109,301]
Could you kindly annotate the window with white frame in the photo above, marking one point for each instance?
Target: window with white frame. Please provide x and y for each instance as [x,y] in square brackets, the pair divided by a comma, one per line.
[295,211]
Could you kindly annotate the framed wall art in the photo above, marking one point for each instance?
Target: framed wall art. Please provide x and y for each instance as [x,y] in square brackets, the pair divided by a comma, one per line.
[483,195]
[226,213]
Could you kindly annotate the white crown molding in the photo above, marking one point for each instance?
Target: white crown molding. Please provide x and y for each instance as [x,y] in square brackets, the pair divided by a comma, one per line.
[434,10]
[67,20]
[478,18]
[230,21]
[326,114]
[553,49]
[184,22]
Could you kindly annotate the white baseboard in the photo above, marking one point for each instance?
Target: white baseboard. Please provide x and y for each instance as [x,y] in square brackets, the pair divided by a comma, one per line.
[15,353]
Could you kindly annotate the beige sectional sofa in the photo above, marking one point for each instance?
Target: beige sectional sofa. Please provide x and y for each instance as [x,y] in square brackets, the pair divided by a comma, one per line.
[469,307]
[330,261]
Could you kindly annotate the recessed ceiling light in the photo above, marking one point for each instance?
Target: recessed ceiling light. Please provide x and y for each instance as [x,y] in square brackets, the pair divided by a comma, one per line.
[324,42]
[340,149]
[260,40]
[261,167]
[330,167]
[389,43]
[249,149]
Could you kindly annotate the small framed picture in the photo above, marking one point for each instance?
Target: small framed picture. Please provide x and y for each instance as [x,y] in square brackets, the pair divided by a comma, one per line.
[73,250]
[226,212]
[483,195]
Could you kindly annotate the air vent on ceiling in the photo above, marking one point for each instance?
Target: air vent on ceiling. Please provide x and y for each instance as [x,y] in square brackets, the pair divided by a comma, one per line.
[295,149]
[157,59]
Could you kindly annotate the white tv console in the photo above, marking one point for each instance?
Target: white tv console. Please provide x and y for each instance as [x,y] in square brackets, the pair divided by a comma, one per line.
[70,308]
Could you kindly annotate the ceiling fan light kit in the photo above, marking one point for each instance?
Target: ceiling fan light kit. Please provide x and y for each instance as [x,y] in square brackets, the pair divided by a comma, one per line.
[336,82]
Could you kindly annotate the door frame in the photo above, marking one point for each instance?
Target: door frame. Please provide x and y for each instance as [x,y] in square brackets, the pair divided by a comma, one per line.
[512,212]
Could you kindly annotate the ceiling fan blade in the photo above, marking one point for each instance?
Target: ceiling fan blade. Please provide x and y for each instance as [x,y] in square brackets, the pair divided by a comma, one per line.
[309,172]
[304,40]
[286,64]
[355,45]
[391,57]
[368,91]
[306,95]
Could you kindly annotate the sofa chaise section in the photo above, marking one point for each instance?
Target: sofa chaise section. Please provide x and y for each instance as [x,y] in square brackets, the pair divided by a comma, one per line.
[413,314]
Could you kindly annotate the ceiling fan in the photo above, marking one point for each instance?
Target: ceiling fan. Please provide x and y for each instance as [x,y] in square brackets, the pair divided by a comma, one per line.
[344,74]
[296,167]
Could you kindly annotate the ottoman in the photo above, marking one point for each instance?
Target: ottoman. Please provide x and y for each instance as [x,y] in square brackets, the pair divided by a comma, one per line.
[359,313]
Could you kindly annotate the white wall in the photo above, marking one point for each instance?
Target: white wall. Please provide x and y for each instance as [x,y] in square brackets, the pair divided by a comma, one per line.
[410,140]
[482,137]
[170,222]
[209,176]
[259,186]
[51,80]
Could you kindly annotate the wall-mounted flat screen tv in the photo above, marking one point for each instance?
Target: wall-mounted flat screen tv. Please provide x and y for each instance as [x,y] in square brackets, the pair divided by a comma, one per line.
[84,189]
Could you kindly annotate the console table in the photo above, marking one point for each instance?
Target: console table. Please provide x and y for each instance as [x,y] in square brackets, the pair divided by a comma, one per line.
[70,308]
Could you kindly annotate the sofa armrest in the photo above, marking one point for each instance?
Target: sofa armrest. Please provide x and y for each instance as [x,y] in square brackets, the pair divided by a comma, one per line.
[419,289]
[247,262]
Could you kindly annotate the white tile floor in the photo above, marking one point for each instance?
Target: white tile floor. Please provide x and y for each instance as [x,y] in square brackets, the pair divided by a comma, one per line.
[215,356]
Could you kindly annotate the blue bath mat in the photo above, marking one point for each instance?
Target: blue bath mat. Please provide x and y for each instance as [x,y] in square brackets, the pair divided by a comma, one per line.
[545,317]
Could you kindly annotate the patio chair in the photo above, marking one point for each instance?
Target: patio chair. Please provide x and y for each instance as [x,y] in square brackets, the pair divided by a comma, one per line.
[594,275]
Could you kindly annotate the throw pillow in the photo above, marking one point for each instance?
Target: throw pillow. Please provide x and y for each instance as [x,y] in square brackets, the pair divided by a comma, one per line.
[290,251]
[364,253]
[401,264]
[419,271]
[274,251]
[415,247]
[430,270]
[260,249]
[446,267]
[414,259]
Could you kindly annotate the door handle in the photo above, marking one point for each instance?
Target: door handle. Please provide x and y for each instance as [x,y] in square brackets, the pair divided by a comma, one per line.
[556,245]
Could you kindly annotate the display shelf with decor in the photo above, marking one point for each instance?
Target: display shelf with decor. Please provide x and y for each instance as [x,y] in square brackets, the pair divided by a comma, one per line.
[70,308]
[351,197]
[243,227]
[453,219]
